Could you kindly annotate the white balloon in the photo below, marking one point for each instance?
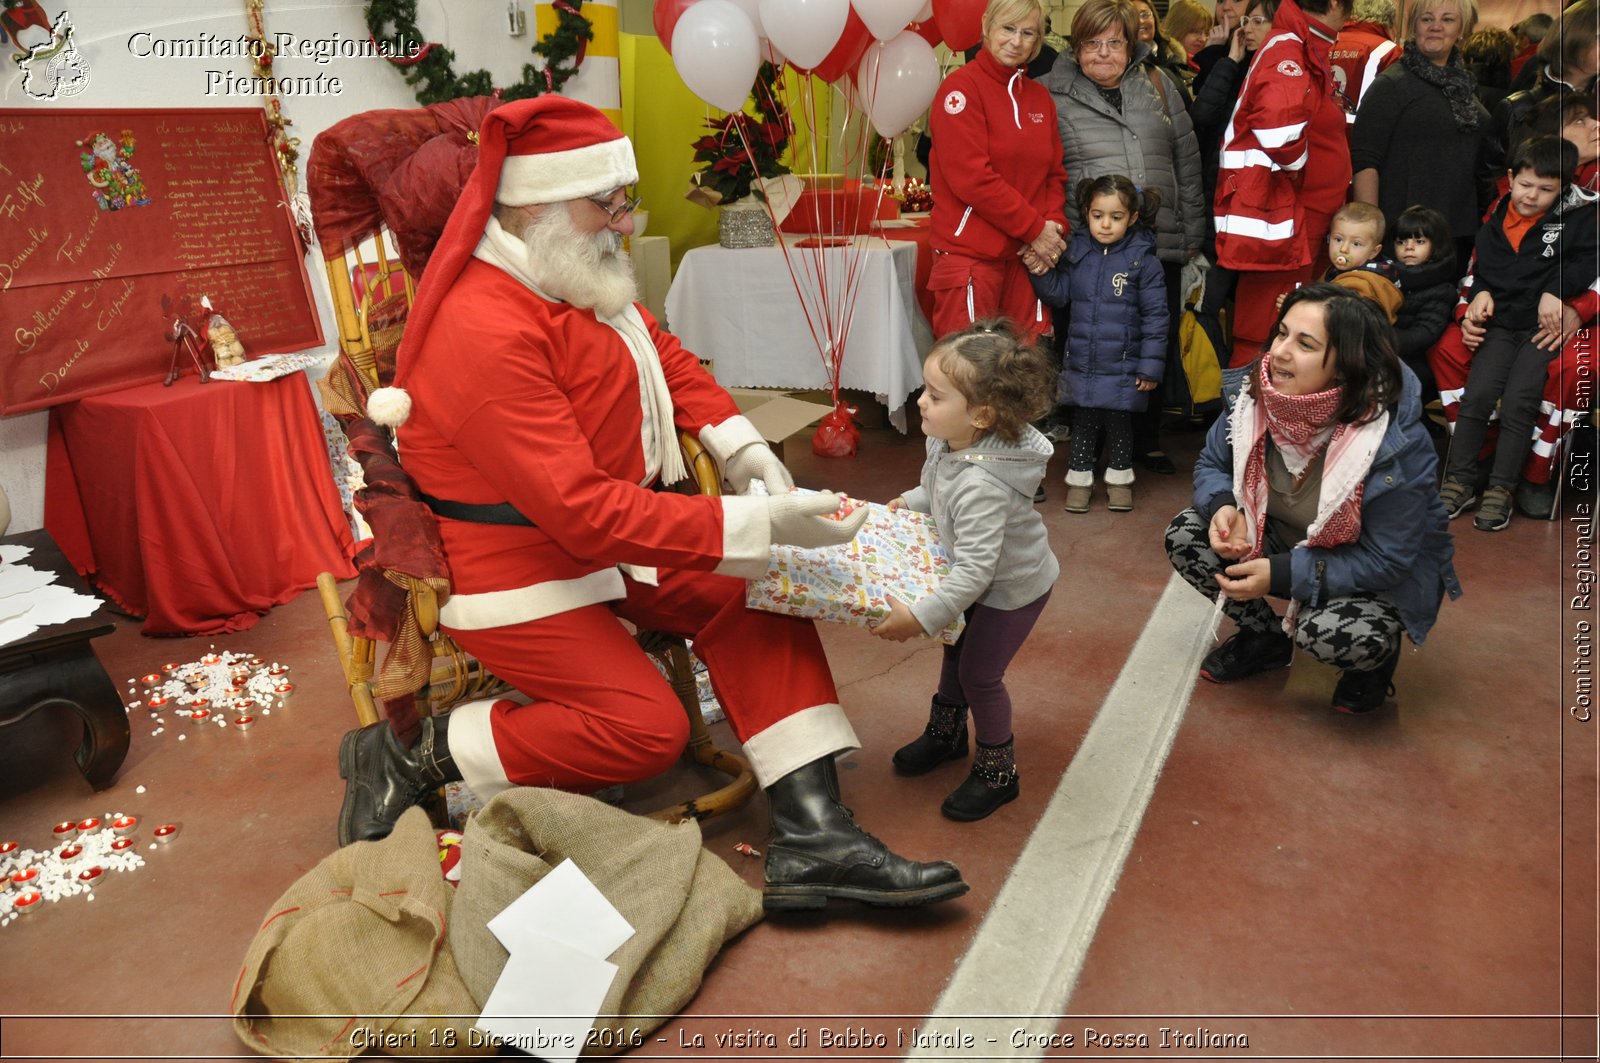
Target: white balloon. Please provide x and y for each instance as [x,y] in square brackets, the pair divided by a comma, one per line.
[886,18]
[897,80]
[924,13]
[803,30]
[752,11]
[716,52]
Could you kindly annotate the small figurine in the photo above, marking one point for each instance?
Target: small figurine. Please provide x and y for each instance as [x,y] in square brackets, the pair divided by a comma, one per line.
[184,338]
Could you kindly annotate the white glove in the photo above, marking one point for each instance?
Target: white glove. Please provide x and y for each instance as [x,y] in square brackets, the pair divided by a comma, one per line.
[756,461]
[802,519]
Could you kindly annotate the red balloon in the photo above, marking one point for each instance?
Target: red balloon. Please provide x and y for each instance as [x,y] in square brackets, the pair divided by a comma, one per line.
[665,15]
[960,21]
[928,31]
[848,52]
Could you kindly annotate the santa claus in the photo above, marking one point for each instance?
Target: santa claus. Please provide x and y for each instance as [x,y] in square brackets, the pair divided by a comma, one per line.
[539,407]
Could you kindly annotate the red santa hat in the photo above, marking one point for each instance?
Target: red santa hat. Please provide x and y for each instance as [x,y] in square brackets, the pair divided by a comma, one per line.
[545,150]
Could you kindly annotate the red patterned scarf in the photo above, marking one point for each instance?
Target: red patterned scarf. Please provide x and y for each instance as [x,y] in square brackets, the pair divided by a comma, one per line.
[1300,428]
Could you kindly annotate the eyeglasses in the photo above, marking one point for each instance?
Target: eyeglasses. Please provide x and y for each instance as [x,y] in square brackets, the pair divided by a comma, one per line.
[1114,45]
[616,214]
[1255,20]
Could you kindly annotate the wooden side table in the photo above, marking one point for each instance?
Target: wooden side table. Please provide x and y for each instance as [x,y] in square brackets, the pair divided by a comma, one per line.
[56,668]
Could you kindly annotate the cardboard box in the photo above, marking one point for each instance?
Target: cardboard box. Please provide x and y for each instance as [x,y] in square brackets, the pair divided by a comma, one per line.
[777,415]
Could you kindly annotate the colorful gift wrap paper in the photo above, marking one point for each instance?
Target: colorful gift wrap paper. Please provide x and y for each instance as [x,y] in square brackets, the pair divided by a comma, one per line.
[895,554]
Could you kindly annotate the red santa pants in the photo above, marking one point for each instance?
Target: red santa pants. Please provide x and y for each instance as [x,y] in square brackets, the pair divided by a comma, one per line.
[966,290]
[602,714]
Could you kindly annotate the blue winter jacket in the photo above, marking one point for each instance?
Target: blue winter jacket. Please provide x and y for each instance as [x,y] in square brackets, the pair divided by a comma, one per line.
[1405,551]
[1118,329]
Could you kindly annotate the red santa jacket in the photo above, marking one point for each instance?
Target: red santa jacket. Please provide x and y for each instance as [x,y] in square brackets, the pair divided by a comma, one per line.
[1362,52]
[516,398]
[1285,152]
[995,164]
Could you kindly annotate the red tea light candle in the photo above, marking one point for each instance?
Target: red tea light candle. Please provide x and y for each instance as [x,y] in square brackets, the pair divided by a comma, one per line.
[27,902]
[69,853]
[171,666]
[278,669]
[124,825]
[210,658]
[200,713]
[152,679]
[283,690]
[157,702]
[25,876]
[165,832]
[7,848]
[90,875]
[89,826]
[63,830]
[244,705]
[244,723]
[122,845]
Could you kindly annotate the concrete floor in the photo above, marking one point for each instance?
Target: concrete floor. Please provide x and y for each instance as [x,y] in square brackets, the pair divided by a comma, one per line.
[1287,883]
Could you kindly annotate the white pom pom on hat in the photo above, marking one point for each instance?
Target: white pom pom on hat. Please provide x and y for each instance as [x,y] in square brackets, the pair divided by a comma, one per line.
[389,407]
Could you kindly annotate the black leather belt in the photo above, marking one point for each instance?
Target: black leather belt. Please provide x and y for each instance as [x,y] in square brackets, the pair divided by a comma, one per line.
[477,513]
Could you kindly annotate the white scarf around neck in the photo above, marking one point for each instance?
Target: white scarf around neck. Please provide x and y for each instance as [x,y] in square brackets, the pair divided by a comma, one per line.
[659,436]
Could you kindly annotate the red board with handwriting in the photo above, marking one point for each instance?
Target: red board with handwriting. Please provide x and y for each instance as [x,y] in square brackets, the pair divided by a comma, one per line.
[104,213]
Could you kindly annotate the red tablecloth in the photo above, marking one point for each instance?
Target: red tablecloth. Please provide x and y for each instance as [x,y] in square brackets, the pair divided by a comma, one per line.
[197,507]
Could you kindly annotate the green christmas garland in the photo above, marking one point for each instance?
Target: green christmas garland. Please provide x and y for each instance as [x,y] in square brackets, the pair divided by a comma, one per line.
[432,72]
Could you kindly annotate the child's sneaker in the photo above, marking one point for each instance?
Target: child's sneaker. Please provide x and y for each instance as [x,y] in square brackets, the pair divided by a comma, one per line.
[1078,498]
[1119,497]
[1495,512]
[1457,498]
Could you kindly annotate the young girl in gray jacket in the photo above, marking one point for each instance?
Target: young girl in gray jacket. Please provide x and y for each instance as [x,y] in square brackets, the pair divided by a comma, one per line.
[981,388]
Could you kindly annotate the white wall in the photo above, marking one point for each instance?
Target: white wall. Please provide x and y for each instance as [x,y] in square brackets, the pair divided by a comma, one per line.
[105,33]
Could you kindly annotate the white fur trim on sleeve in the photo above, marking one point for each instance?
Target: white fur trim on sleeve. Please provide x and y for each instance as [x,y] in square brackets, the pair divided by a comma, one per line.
[728,438]
[746,536]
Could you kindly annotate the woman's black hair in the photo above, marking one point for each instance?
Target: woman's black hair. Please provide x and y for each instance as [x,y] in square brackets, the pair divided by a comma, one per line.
[1143,201]
[1432,226]
[1361,343]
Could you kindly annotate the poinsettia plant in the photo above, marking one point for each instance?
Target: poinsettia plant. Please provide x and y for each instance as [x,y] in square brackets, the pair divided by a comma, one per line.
[742,149]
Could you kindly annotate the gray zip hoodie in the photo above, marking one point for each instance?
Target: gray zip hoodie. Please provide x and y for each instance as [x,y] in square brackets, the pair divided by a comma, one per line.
[982,499]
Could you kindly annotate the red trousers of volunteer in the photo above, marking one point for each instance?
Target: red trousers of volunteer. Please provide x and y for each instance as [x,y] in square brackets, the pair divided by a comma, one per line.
[602,714]
[1255,300]
[966,290]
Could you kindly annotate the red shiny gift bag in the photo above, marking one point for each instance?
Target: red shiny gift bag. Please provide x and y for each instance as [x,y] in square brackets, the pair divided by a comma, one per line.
[838,435]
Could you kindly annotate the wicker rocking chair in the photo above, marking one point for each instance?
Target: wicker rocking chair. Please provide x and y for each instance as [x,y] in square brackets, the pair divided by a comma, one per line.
[382,184]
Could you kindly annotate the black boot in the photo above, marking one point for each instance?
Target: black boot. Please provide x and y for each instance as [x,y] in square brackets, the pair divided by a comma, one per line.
[945,738]
[1358,693]
[383,778]
[991,783]
[816,852]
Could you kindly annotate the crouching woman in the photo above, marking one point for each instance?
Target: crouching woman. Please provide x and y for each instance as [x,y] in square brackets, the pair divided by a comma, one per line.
[1317,486]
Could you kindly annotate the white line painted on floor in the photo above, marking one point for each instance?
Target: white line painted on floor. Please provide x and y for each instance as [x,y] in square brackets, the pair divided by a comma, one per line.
[1028,952]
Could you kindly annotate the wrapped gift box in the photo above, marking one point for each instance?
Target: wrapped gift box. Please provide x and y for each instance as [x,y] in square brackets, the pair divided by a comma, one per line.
[895,554]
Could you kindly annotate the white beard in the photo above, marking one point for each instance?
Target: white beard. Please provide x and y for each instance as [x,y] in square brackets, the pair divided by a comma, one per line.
[591,271]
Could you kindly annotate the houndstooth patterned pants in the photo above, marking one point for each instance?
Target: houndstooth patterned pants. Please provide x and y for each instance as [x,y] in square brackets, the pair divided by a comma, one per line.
[1358,632]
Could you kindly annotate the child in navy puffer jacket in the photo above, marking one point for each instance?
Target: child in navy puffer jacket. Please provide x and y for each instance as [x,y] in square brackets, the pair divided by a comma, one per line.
[1117,340]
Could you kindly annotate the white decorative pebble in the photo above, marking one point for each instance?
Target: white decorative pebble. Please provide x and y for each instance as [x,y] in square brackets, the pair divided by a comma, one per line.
[182,737]
[139,790]
[91,896]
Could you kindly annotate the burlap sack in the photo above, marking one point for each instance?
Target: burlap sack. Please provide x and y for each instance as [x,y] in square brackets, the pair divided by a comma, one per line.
[354,957]
[682,902]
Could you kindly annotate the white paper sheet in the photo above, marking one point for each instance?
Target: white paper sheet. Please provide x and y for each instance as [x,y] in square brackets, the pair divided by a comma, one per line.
[20,579]
[547,998]
[56,604]
[564,906]
[13,552]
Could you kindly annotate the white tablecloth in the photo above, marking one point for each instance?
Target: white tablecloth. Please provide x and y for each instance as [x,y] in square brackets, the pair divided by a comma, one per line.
[741,308]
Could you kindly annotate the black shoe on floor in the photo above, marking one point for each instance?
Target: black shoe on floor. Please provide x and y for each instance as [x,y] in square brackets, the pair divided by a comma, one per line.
[1247,653]
[1155,461]
[1358,693]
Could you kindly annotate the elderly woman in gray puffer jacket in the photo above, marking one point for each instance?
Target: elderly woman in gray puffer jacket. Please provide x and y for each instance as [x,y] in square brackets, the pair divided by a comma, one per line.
[1118,115]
